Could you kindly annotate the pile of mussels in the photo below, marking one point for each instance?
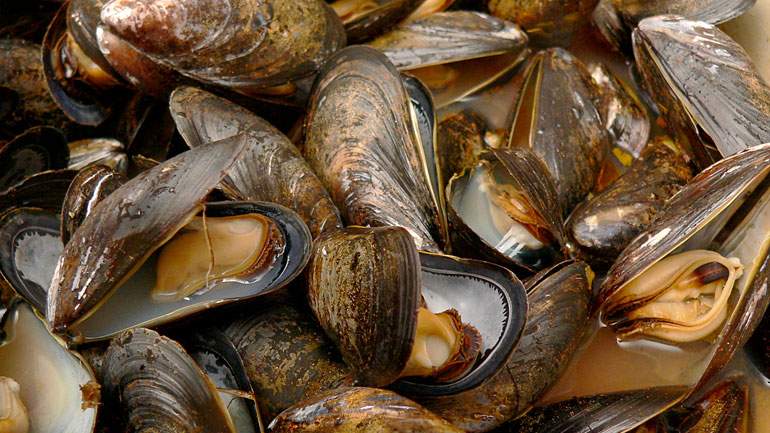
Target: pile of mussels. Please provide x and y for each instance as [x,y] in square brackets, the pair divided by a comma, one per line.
[238,216]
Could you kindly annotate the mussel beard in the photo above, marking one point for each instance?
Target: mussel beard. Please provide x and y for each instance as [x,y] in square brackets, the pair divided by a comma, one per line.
[444,348]
[210,248]
[14,417]
[681,298]
[507,220]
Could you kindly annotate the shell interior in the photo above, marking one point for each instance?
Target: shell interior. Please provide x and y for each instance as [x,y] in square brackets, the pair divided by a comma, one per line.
[50,377]
[29,249]
[132,303]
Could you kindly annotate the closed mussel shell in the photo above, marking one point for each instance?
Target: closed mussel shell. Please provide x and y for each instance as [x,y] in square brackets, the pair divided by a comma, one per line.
[558,317]
[714,230]
[156,386]
[286,355]
[547,22]
[505,209]
[710,11]
[557,119]
[714,100]
[272,170]
[602,226]
[349,410]
[374,168]
[130,224]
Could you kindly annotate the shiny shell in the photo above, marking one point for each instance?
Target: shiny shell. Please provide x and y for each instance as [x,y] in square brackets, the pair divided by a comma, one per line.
[547,22]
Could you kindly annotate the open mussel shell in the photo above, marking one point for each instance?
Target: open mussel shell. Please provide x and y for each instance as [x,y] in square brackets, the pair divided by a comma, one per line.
[364,19]
[245,46]
[716,101]
[98,151]
[710,11]
[156,386]
[604,225]
[376,170]
[216,355]
[39,149]
[711,242]
[150,297]
[557,119]
[42,190]
[23,92]
[558,317]
[547,22]
[455,52]
[55,391]
[365,286]
[88,188]
[505,209]
[286,355]
[272,170]
[357,409]
[130,224]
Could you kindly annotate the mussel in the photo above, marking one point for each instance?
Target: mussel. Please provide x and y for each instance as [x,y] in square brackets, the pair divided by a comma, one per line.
[557,119]
[547,22]
[454,53]
[505,209]
[365,286]
[38,149]
[90,186]
[272,170]
[156,386]
[350,410]
[98,151]
[43,386]
[375,167]
[364,19]
[710,11]
[704,84]
[252,48]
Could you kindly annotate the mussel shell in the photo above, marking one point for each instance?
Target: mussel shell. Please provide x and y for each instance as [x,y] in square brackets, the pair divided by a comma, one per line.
[715,101]
[273,169]
[384,16]
[131,305]
[374,169]
[157,386]
[128,225]
[612,27]
[547,22]
[57,387]
[44,190]
[285,354]
[350,410]
[88,188]
[447,37]
[556,320]
[459,142]
[365,286]
[82,21]
[29,249]
[98,151]
[604,225]
[710,11]
[723,409]
[758,347]
[528,175]
[566,130]
[40,148]
[242,45]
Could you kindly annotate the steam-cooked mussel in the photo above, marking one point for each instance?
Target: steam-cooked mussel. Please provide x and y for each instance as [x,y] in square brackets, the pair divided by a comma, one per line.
[710,11]
[723,409]
[374,166]
[365,286]
[350,410]
[285,354]
[248,47]
[547,22]
[364,19]
[43,386]
[156,386]
[699,272]
[504,208]
[38,149]
[91,185]
[98,151]
[704,84]
[23,92]
[557,119]
[272,169]
[454,53]
[602,226]
[556,321]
